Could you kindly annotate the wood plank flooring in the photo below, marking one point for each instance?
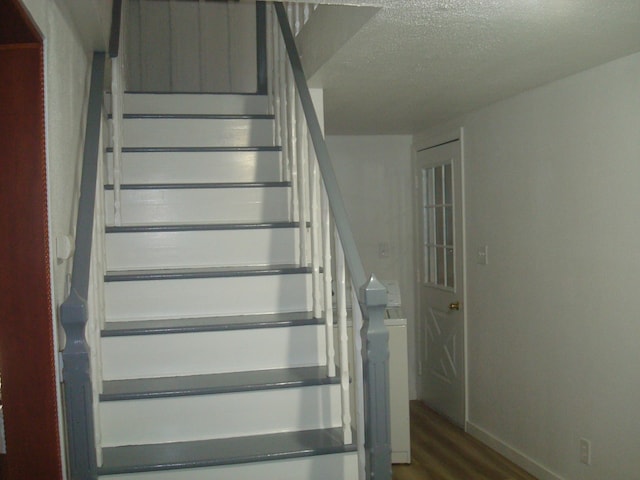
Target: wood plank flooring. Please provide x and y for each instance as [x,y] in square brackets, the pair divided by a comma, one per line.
[442,451]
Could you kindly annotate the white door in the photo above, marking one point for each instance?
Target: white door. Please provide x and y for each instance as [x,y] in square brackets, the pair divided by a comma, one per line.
[439,180]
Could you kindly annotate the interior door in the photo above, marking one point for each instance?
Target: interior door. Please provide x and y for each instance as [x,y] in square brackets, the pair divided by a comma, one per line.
[440,270]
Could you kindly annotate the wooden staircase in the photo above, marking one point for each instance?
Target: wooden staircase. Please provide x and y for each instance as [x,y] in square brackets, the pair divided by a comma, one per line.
[213,364]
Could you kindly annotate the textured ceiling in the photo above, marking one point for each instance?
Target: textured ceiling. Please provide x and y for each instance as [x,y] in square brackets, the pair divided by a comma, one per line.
[417,63]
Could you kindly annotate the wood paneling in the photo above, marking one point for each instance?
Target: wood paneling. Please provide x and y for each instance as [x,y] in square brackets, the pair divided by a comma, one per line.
[442,451]
[199,46]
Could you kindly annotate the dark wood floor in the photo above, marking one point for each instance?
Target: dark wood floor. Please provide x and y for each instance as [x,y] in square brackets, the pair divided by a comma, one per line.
[441,451]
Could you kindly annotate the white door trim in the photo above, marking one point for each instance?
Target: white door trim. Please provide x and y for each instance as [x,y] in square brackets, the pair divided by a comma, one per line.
[423,141]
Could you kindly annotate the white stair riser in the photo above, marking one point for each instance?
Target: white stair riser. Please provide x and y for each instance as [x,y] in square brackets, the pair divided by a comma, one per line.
[201,297]
[197,167]
[197,248]
[320,467]
[195,132]
[199,417]
[195,104]
[165,355]
[235,205]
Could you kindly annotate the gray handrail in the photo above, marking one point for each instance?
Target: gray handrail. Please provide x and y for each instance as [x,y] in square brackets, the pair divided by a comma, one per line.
[372,295]
[261,47]
[352,256]
[116,25]
[76,372]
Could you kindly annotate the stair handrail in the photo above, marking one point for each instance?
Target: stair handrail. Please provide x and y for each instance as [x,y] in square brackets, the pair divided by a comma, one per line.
[368,292]
[78,360]
[74,312]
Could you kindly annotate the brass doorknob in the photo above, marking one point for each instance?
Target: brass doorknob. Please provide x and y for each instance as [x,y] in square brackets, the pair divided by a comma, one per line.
[454,306]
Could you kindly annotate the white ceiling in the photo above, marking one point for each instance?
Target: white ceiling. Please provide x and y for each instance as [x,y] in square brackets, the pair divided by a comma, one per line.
[418,63]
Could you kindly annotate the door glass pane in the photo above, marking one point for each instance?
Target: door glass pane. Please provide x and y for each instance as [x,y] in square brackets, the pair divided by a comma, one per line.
[448,185]
[438,185]
[450,268]
[448,225]
[440,278]
[439,225]
[425,187]
[437,217]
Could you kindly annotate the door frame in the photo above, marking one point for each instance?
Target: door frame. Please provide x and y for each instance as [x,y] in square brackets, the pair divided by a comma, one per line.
[434,138]
[30,394]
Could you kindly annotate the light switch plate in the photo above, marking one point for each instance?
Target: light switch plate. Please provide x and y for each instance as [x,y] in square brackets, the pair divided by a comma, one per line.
[483,255]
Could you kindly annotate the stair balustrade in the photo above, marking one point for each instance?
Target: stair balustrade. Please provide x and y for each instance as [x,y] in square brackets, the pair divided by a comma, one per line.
[316,198]
[118,79]
[82,313]
[326,243]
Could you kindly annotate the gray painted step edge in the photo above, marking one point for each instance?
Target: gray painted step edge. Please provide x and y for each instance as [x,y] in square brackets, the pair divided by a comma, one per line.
[197,116]
[209,324]
[197,149]
[181,186]
[203,272]
[137,92]
[185,227]
[143,388]
[226,451]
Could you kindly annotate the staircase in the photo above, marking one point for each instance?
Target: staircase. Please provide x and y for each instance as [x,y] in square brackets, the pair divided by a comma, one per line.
[213,363]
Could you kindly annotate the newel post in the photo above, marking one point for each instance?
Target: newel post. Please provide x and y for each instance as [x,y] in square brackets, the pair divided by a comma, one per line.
[78,393]
[375,361]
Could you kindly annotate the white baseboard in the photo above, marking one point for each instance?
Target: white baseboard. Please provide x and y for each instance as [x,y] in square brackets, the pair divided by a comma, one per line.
[513,454]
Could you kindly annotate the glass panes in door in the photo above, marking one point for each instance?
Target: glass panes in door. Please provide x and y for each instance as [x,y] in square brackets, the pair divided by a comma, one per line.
[438,237]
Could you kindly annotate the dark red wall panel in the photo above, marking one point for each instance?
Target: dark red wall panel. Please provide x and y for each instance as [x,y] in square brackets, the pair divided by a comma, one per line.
[26,332]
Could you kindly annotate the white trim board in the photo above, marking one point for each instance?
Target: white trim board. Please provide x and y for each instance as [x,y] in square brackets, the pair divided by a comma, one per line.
[513,454]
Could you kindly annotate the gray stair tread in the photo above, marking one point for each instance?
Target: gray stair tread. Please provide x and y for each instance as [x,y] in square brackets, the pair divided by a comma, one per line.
[199,116]
[203,272]
[209,324]
[184,186]
[204,94]
[140,388]
[188,227]
[266,148]
[227,451]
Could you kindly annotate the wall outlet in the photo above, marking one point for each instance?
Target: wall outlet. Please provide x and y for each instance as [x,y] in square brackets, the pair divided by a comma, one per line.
[585,451]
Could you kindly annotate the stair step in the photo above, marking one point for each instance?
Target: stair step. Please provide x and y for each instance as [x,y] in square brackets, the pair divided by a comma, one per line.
[137,102]
[190,165]
[197,131]
[171,350]
[193,227]
[240,203]
[199,116]
[209,324]
[207,416]
[133,389]
[189,245]
[144,295]
[203,272]
[196,186]
[228,451]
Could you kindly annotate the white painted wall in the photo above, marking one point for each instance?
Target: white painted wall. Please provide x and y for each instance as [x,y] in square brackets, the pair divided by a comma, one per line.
[373,174]
[66,90]
[552,188]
